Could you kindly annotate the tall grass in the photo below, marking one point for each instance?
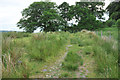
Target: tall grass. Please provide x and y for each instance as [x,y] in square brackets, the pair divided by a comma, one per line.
[106,57]
[112,31]
[15,34]
[13,66]
[104,51]
[17,52]
[20,50]
[44,45]
[72,61]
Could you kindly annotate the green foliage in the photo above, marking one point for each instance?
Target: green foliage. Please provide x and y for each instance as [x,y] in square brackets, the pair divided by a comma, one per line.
[94,8]
[72,61]
[110,23]
[49,17]
[65,14]
[115,15]
[114,10]
[43,15]
[85,14]
[114,25]
[118,23]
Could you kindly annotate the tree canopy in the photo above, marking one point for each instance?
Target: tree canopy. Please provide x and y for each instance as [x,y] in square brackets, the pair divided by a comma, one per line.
[49,17]
[85,14]
[64,10]
[40,14]
[114,10]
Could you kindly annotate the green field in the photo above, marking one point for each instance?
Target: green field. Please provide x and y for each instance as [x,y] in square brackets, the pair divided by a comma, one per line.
[60,54]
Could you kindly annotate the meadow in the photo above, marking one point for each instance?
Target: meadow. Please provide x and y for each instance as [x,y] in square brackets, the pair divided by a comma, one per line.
[39,55]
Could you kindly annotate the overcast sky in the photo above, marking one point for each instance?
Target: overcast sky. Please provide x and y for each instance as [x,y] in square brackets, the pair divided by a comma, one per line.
[10,11]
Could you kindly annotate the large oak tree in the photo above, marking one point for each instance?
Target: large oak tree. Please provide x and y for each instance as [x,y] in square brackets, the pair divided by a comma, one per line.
[43,15]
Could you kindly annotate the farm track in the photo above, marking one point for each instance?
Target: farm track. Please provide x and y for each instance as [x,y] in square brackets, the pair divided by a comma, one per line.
[54,70]
[87,69]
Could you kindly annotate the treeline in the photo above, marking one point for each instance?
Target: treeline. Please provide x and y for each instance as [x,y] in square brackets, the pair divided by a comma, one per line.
[114,14]
[51,17]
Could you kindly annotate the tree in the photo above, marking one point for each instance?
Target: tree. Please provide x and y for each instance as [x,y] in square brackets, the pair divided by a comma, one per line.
[114,10]
[64,13]
[95,8]
[42,15]
[85,14]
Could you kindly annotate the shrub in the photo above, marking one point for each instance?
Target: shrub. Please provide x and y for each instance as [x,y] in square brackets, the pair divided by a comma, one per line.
[118,23]
[110,23]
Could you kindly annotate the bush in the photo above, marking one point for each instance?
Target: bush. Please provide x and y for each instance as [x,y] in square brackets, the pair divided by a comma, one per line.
[110,23]
[118,23]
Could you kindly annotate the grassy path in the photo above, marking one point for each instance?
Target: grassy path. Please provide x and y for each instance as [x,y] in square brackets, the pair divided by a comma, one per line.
[53,71]
[87,70]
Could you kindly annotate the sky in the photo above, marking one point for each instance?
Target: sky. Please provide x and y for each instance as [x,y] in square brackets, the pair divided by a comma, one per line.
[10,11]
